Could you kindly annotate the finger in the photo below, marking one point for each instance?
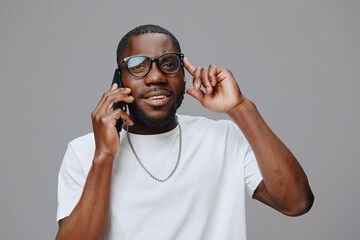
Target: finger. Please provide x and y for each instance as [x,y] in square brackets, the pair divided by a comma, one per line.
[114,86]
[119,113]
[108,105]
[113,116]
[211,75]
[197,78]
[123,91]
[189,66]
[114,98]
[107,96]
[221,73]
[196,93]
[205,80]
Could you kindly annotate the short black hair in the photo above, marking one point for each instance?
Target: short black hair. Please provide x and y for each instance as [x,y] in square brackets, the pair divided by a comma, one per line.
[148,28]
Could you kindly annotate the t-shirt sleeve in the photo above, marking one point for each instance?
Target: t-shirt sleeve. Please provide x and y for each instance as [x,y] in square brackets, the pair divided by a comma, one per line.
[252,174]
[71,181]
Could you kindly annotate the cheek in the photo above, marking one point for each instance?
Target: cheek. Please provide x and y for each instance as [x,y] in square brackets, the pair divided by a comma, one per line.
[126,80]
[180,84]
[133,84]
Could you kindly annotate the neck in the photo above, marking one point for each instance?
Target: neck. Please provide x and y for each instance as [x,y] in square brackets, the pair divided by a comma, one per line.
[140,127]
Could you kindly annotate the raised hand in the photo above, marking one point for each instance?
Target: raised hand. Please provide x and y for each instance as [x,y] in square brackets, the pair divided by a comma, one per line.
[222,92]
[107,138]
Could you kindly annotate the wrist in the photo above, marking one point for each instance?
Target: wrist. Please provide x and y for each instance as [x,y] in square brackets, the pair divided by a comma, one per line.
[103,157]
[247,117]
[242,108]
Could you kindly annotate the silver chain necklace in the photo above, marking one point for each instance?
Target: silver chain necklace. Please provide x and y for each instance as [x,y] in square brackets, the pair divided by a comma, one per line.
[142,165]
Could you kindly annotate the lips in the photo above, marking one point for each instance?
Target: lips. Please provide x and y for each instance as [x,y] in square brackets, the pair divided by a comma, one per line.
[157,92]
[157,97]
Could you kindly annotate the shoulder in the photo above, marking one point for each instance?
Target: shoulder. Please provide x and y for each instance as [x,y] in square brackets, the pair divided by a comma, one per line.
[86,141]
[83,148]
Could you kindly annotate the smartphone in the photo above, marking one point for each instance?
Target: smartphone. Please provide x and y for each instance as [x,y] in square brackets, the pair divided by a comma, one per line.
[122,105]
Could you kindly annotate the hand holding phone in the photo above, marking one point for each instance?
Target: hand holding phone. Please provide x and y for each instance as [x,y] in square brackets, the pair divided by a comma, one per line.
[106,127]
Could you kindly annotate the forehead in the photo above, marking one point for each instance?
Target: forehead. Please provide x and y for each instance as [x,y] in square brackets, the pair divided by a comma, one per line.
[149,44]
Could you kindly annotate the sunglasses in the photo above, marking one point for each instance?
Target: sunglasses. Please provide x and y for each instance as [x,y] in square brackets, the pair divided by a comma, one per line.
[139,66]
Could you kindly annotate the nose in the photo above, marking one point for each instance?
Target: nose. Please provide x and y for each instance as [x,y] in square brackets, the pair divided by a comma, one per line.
[155,75]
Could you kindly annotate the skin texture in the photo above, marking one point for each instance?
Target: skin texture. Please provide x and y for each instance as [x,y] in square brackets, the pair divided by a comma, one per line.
[285,186]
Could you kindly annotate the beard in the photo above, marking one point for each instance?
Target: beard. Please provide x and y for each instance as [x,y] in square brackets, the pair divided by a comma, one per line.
[154,122]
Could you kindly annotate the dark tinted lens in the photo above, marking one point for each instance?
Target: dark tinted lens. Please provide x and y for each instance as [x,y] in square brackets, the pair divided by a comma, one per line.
[169,63]
[138,66]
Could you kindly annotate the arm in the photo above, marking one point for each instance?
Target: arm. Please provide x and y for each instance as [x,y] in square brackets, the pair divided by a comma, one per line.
[285,186]
[88,220]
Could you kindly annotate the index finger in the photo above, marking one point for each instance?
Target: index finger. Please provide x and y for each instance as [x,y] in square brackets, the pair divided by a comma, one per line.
[113,86]
[189,66]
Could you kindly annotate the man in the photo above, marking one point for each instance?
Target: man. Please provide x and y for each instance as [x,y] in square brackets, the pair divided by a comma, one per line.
[168,176]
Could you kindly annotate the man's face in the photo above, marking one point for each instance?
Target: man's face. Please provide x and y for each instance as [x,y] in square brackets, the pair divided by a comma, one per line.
[150,105]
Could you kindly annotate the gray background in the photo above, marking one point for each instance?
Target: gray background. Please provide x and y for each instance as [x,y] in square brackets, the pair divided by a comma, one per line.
[298,61]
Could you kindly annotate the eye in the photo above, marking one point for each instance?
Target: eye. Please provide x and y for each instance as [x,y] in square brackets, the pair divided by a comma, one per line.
[138,68]
[138,65]
[168,66]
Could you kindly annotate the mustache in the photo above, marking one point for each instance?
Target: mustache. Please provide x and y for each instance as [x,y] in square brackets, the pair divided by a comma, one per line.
[156,89]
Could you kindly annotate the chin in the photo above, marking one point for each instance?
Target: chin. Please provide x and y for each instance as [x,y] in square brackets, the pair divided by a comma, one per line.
[155,121]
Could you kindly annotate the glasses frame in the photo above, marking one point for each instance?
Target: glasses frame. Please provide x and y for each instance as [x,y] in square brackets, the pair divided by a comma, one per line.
[156,60]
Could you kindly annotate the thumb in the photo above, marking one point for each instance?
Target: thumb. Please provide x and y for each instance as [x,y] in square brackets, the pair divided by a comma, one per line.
[198,94]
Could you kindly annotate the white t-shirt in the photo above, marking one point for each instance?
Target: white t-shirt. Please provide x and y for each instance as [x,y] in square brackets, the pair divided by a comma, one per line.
[204,199]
